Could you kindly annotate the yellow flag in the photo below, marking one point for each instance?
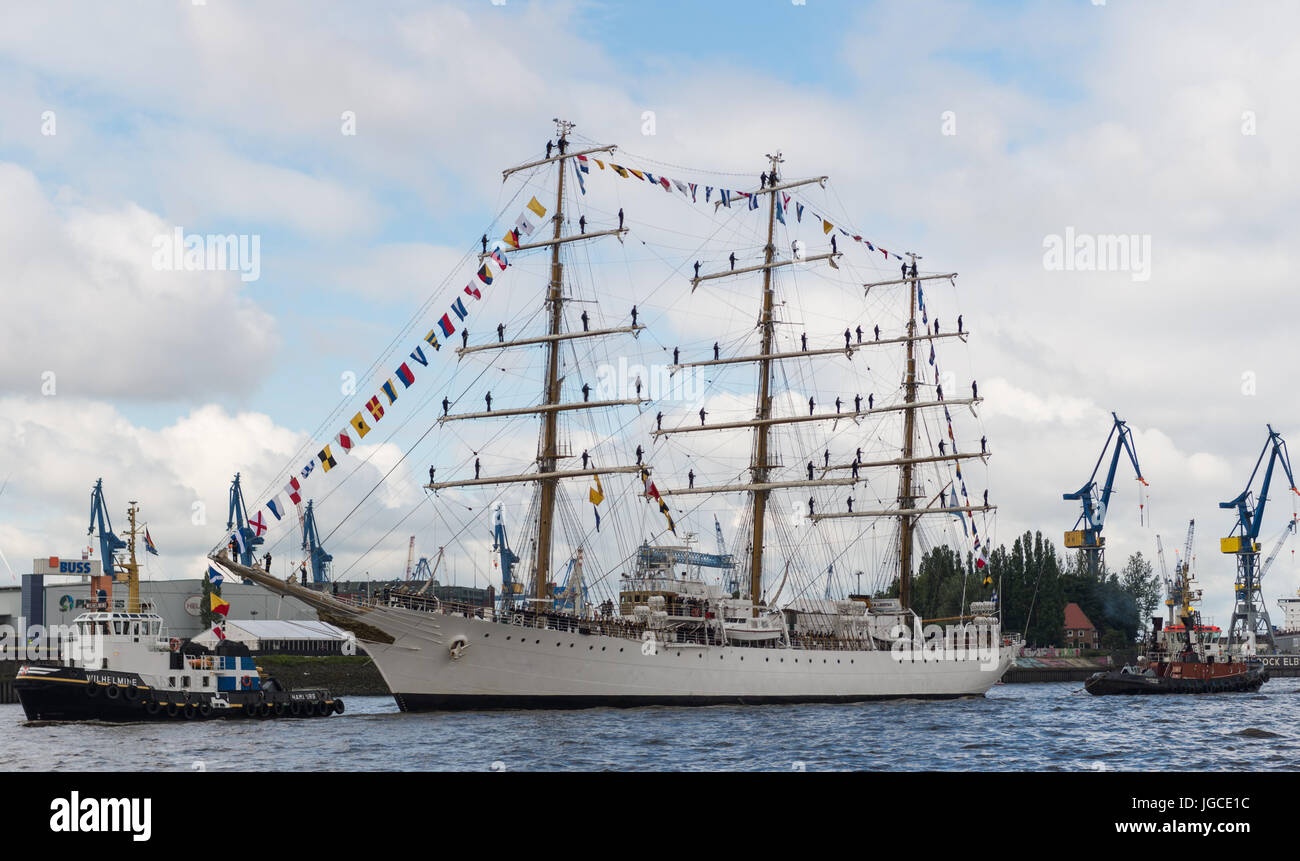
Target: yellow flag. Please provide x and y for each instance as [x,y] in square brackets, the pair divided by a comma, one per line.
[638,174]
[537,208]
[596,494]
[599,163]
[826,226]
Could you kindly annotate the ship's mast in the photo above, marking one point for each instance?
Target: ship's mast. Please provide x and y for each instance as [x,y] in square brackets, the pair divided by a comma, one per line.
[551,396]
[132,567]
[759,468]
[548,475]
[905,492]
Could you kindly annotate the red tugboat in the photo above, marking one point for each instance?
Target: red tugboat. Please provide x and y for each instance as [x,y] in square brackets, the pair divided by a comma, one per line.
[1188,658]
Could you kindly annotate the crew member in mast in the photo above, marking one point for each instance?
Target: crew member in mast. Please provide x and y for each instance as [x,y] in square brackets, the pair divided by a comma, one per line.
[837,404]
[826,458]
[484,241]
[464,337]
[585,319]
[803,342]
[549,147]
[974,389]
[446,404]
[488,398]
[676,353]
[639,452]
[586,392]
[702,415]
[877,331]
[847,342]
[431,471]
[697,270]
[810,506]
[585,457]
[857,403]
[501,333]
[633,315]
[958,324]
[940,447]
[733,260]
[811,403]
[690,478]
[850,505]
[871,400]
[715,351]
[659,422]
[762,180]
[834,250]
[984,445]
[986,497]
[476,467]
[810,471]
[267,560]
[620,218]
[855,469]
[582,224]
[859,334]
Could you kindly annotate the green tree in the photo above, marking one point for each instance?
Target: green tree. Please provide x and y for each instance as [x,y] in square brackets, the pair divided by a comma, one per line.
[1144,586]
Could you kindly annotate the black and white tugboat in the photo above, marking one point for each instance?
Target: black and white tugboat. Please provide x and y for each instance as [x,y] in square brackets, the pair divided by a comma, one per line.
[122,666]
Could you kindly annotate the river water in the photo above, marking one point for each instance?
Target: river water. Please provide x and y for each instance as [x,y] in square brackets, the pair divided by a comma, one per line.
[1021,727]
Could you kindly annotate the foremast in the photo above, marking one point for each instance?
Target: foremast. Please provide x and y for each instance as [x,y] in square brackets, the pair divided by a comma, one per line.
[549,473]
[906,496]
[550,419]
[759,466]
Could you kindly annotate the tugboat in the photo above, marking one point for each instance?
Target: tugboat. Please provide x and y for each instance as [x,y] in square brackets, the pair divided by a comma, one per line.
[123,667]
[1188,658]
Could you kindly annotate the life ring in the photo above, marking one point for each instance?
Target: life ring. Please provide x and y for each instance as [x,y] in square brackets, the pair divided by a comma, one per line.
[112,692]
[246,682]
[695,611]
[175,644]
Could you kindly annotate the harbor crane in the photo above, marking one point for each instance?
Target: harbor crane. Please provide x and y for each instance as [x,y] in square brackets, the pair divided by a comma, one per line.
[320,560]
[1086,535]
[510,587]
[1181,595]
[238,520]
[109,542]
[1250,622]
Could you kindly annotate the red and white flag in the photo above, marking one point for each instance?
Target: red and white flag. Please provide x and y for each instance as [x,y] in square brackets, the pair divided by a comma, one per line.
[294,490]
[258,522]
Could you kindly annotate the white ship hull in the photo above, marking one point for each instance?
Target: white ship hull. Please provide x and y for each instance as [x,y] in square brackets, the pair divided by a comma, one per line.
[508,666]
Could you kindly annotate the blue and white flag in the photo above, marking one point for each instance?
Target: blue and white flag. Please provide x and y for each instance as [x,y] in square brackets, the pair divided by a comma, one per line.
[276,507]
[215,577]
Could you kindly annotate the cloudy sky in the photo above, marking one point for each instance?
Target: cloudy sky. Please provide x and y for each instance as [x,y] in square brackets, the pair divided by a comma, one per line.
[976,134]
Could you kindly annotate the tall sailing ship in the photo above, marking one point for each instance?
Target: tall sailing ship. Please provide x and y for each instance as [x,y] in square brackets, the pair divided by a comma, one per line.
[668,623]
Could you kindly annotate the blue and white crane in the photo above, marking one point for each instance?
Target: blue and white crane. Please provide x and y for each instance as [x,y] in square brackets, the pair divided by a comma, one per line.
[109,542]
[1250,622]
[1086,535]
